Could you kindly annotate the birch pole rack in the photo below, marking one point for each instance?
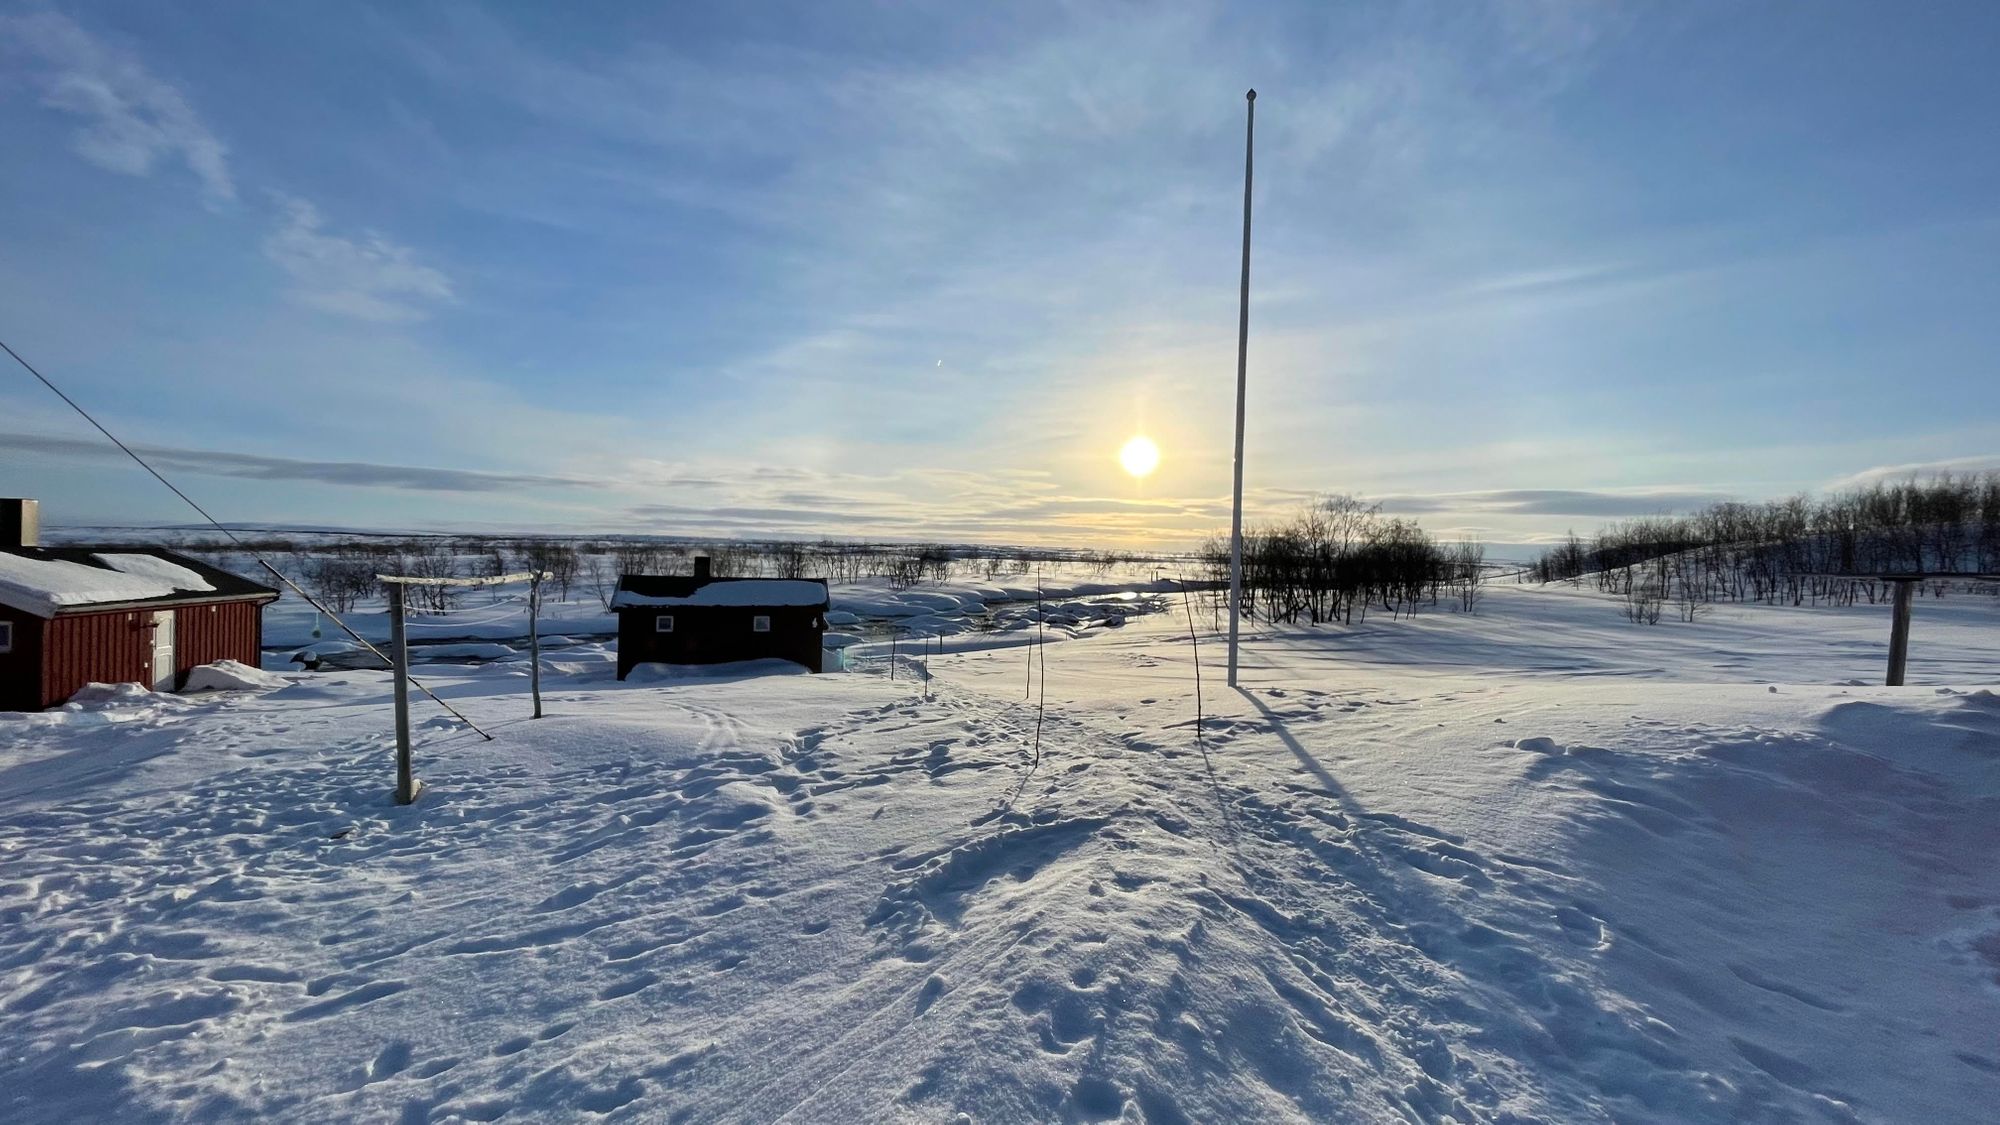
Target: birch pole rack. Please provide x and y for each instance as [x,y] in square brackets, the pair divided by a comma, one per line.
[408,788]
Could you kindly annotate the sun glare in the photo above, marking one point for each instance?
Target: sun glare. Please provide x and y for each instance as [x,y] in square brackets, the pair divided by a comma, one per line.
[1139,456]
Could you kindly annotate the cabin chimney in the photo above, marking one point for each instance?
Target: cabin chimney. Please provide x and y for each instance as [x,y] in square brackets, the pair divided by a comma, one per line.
[700,565]
[21,523]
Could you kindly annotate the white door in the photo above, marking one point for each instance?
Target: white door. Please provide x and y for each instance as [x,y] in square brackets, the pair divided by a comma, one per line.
[163,650]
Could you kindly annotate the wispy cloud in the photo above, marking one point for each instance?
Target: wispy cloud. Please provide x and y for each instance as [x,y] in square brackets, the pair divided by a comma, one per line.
[858,271]
[367,277]
[249,466]
[1555,502]
[1535,280]
[1981,463]
[133,121]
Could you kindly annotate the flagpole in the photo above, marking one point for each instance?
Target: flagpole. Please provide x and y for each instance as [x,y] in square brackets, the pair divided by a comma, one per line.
[1242,356]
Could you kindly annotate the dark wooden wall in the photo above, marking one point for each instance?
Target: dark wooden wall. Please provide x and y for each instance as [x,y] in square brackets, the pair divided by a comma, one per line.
[718,635]
[21,669]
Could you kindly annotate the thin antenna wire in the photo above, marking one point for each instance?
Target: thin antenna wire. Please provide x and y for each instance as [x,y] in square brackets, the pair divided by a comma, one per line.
[1188,604]
[189,500]
[1042,650]
[1200,742]
[1028,684]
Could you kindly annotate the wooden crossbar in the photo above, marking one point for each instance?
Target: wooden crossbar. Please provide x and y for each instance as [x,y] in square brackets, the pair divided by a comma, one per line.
[492,580]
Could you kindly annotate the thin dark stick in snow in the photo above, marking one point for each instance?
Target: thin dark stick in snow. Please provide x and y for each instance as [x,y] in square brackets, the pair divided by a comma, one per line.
[1200,742]
[240,545]
[1188,604]
[1042,648]
[535,641]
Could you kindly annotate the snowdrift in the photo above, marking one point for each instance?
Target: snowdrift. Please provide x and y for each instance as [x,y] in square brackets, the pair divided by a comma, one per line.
[231,675]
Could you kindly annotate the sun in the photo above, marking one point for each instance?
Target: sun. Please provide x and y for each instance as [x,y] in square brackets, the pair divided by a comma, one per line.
[1139,456]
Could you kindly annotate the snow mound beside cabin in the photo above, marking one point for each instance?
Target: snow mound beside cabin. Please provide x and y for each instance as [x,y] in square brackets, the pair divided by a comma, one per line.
[654,672]
[232,675]
[93,697]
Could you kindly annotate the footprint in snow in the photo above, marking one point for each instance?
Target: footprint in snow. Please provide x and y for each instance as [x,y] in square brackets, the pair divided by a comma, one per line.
[389,1062]
[627,987]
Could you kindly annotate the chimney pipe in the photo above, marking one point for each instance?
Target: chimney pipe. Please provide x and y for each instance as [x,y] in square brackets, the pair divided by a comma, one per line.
[701,566]
[20,523]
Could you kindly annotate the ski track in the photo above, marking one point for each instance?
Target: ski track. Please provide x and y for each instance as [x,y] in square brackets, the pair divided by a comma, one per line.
[1130,928]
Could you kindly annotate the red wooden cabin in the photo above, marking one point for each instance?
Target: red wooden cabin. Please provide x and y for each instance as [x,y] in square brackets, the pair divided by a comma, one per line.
[76,615]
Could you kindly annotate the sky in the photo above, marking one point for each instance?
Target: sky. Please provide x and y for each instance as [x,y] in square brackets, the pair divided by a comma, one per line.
[917,271]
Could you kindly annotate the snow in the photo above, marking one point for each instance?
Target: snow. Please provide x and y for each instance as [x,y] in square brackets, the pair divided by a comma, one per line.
[500,614]
[877,598]
[289,623]
[43,586]
[741,592]
[231,675]
[469,650]
[323,648]
[654,672]
[1533,864]
[172,575]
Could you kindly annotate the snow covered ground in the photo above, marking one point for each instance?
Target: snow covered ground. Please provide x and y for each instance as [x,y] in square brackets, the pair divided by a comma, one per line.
[1534,864]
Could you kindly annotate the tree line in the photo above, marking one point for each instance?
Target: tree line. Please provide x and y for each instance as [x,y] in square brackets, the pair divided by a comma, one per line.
[1340,556]
[1795,551]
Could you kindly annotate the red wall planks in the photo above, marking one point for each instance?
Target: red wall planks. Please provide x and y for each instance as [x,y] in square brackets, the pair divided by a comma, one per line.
[204,634]
[88,648]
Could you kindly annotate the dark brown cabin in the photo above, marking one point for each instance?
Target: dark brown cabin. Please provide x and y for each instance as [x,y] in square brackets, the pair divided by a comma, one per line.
[701,619]
[113,613]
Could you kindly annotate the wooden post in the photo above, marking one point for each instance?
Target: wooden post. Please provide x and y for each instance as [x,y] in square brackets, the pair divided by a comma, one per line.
[1242,367]
[535,640]
[1899,631]
[407,786]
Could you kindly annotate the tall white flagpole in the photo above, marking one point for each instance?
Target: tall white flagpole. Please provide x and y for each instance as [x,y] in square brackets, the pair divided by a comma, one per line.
[1242,357]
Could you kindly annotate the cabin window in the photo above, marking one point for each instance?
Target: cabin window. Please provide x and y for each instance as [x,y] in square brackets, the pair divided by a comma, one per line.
[6,636]
[760,624]
[664,623]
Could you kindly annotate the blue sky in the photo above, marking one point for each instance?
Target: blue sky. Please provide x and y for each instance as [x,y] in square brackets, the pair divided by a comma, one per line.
[918,270]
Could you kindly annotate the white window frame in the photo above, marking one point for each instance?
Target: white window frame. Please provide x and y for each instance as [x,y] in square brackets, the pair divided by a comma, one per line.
[6,636]
[760,623]
[664,623]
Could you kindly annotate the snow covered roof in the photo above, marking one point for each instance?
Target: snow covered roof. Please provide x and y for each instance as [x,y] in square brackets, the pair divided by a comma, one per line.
[156,568]
[637,590]
[45,581]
